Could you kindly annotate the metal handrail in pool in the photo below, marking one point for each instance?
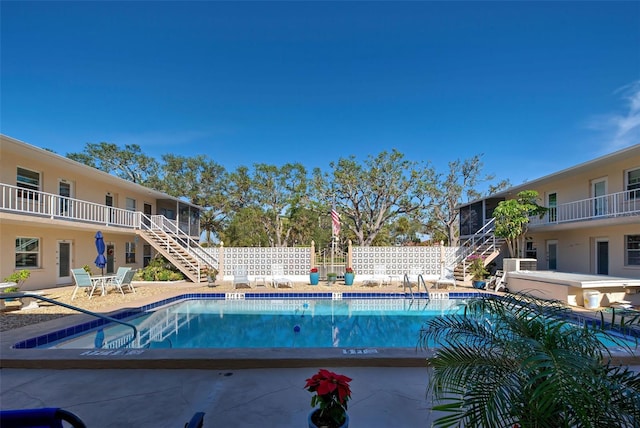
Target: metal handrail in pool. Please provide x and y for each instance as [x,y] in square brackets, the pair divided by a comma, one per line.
[407,283]
[19,295]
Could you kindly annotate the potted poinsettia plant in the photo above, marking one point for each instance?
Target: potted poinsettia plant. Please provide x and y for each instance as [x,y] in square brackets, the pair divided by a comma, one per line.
[314,276]
[332,392]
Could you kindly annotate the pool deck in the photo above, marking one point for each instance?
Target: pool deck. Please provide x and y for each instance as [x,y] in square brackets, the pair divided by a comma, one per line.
[381,397]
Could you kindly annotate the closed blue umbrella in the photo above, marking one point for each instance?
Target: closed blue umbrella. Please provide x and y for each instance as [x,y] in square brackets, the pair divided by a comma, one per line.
[101,260]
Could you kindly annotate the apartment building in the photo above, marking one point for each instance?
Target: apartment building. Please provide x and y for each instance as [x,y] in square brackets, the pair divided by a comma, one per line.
[51,208]
[592,225]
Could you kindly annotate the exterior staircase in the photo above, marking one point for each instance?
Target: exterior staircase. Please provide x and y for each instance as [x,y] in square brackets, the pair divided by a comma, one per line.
[483,244]
[180,249]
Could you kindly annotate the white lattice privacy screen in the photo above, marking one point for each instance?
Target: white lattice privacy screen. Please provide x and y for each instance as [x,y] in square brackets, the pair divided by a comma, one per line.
[297,261]
[259,260]
[400,260]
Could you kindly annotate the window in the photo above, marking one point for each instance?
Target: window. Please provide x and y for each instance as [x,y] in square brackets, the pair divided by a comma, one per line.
[633,183]
[28,180]
[146,255]
[632,250]
[130,252]
[131,204]
[530,250]
[27,252]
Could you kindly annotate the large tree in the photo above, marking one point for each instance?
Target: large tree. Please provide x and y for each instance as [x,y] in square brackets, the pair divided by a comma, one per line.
[279,193]
[456,186]
[128,163]
[373,194]
[197,178]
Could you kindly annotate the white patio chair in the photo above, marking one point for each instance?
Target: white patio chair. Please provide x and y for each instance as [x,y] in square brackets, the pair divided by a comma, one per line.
[278,278]
[447,278]
[241,276]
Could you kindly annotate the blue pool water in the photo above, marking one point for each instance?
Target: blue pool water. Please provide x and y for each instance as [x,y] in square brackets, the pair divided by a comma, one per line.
[310,323]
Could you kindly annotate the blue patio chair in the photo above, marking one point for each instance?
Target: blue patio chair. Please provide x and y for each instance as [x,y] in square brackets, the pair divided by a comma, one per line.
[83,280]
[124,281]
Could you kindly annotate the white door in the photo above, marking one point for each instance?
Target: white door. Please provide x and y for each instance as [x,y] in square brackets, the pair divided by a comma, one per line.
[552,255]
[63,261]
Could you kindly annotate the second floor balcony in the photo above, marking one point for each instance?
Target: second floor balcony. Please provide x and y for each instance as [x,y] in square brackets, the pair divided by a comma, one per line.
[623,207]
[18,200]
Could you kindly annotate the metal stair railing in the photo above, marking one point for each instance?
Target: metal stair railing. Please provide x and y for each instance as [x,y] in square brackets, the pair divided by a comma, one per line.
[167,235]
[19,295]
[170,227]
[484,237]
[166,241]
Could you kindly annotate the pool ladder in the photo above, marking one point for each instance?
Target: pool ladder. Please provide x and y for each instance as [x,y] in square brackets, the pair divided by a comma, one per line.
[19,295]
[406,283]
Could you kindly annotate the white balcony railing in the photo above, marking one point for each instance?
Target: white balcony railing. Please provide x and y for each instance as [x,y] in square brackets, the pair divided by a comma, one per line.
[601,207]
[24,201]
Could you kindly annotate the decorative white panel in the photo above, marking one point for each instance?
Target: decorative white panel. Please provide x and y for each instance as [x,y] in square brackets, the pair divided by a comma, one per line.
[400,260]
[259,260]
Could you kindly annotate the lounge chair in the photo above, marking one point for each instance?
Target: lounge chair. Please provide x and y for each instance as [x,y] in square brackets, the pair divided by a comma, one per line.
[124,281]
[83,280]
[446,278]
[278,278]
[379,277]
[241,276]
[39,418]
[52,417]
[500,281]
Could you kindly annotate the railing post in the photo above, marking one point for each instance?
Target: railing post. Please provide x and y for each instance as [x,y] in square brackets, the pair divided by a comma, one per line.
[221,259]
[312,256]
[51,208]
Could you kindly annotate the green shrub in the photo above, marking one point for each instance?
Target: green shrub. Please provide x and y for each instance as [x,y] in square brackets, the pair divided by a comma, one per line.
[159,269]
[19,278]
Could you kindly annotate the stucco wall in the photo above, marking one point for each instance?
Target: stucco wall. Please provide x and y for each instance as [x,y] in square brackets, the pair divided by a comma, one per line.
[83,251]
[576,249]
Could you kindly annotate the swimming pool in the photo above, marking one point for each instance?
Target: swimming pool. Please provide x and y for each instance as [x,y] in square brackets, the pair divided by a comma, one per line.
[273,323]
[43,347]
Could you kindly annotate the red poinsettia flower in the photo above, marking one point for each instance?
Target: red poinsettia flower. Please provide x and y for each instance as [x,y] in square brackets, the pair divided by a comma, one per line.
[332,393]
[314,270]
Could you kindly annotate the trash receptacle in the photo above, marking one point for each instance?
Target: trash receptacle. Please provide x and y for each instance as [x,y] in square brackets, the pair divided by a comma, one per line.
[591,299]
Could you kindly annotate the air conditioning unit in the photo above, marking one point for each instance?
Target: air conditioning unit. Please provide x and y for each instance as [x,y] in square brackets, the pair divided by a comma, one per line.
[512,265]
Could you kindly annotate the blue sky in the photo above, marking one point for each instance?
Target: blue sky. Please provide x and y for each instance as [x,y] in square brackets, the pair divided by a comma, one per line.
[535,86]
